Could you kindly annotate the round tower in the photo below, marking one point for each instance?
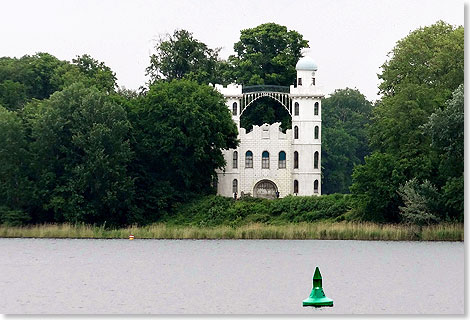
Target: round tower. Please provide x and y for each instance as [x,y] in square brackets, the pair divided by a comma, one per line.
[306,129]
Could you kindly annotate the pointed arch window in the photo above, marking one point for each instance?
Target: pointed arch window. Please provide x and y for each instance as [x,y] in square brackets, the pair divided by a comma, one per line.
[235,160]
[265,160]
[296,160]
[296,109]
[296,186]
[315,109]
[235,186]
[315,186]
[249,159]
[282,160]
[234,109]
[296,132]
[315,160]
[317,132]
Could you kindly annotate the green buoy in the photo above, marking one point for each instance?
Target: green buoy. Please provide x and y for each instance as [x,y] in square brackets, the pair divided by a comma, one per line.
[317,297]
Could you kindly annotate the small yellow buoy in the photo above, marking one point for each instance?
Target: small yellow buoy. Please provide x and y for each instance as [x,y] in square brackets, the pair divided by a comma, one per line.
[131,237]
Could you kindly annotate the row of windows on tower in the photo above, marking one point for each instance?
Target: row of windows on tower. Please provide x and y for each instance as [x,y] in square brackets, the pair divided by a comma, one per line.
[296,109]
[296,186]
[265,160]
[315,135]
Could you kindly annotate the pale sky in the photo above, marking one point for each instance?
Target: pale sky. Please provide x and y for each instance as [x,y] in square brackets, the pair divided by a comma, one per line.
[349,40]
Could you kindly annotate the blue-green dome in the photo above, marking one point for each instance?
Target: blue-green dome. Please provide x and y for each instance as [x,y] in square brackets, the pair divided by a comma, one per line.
[306,63]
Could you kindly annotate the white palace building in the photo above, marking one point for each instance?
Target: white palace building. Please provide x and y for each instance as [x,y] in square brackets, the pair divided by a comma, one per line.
[269,163]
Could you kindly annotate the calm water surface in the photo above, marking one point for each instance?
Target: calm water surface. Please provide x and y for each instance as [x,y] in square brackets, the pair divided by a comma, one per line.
[228,276]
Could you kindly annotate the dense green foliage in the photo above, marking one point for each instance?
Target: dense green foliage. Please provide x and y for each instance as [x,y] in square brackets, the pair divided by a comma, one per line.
[446,129]
[217,210]
[423,71]
[267,54]
[40,75]
[265,110]
[76,149]
[345,117]
[179,129]
[15,186]
[421,202]
[87,153]
[180,56]
[81,152]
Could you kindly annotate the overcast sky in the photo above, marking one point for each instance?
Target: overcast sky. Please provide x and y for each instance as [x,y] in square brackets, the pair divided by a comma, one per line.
[349,40]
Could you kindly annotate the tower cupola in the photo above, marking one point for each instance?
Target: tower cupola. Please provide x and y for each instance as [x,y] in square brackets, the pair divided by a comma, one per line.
[306,69]
[306,64]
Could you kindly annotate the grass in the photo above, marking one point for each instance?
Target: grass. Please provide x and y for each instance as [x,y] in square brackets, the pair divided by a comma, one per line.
[317,230]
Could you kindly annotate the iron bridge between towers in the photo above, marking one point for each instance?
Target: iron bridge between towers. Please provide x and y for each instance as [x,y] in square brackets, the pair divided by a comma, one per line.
[279,93]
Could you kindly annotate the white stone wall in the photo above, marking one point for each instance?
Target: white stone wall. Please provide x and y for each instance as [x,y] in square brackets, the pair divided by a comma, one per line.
[265,138]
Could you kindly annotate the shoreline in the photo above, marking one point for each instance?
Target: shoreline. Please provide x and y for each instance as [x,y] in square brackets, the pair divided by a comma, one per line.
[365,231]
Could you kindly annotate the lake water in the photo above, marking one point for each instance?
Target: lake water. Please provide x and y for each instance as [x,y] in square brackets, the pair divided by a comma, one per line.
[228,276]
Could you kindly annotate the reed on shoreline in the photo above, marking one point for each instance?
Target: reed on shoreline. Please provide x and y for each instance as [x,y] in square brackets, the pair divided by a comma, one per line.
[290,231]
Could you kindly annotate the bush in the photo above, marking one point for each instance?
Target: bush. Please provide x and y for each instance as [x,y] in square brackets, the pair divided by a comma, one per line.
[217,210]
[13,217]
[421,202]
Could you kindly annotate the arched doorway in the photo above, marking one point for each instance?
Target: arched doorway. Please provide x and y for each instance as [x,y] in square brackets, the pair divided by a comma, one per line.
[265,189]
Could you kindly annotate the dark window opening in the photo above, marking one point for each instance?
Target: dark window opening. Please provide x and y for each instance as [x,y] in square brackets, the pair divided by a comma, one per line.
[249,159]
[282,160]
[235,160]
[265,160]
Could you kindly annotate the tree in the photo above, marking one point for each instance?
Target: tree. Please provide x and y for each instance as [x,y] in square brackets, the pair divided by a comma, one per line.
[15,186]
[12,94]
[81,148]
[40,75]
[180,128]
[424,68]
[338,159]
[182,56]
[91,72]
[265,110]
[446,129]
[267,54]
[421,202]
[30,76]
[346,115]
[375,185]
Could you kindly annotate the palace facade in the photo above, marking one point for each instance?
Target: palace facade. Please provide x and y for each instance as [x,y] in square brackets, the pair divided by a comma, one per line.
[269,163]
